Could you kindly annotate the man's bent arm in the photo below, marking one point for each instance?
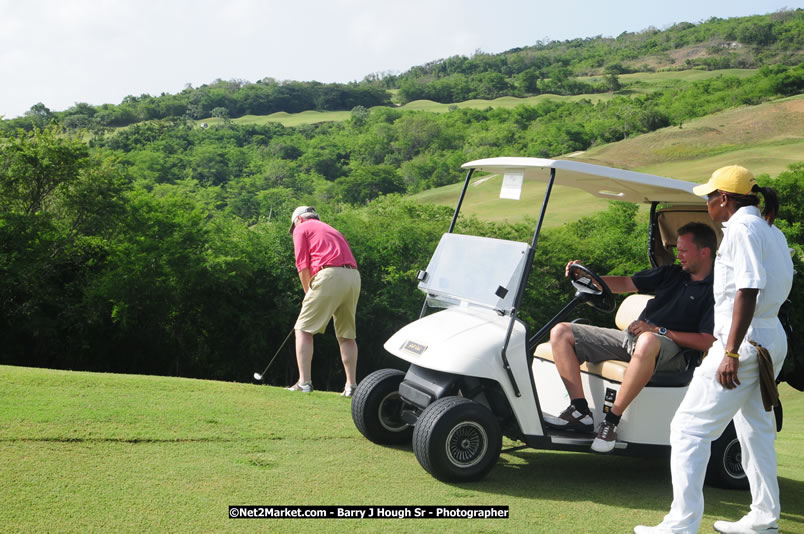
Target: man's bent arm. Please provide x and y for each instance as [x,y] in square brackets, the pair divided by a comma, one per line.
[304,276]
[700,341]
[620,284]
[692,340]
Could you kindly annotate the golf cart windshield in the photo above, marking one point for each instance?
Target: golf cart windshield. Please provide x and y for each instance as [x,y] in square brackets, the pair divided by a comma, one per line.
[469,270]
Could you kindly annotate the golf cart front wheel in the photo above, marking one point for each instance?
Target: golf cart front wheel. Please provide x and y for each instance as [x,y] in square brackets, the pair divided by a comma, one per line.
[377,408]
[725,469]
[457,440]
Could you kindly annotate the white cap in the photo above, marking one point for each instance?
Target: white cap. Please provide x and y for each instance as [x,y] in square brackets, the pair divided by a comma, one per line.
[302,211]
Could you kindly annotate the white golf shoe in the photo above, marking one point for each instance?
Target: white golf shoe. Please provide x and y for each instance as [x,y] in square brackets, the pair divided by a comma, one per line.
[742,527]
[306,387]
[658,529]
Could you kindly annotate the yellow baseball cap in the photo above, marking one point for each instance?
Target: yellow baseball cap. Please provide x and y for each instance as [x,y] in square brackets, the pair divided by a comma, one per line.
[731,179]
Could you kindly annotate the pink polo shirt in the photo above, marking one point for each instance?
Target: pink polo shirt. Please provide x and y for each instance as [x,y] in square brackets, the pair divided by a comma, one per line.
[317,245]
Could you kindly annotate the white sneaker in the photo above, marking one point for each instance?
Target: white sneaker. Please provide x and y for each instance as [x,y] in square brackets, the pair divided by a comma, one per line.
[742,527]
[606,437]
[307,387]
[571,419]
[348,391]
[658,529]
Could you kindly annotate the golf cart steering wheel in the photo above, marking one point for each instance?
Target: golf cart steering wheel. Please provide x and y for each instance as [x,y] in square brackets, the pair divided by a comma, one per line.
[591,288]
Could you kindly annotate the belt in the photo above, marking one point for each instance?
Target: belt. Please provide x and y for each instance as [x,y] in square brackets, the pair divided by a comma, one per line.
[343,266]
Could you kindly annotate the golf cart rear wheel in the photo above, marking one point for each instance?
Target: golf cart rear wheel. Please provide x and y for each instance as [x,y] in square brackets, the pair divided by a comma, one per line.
[377,408]
[725,469]
[457,440]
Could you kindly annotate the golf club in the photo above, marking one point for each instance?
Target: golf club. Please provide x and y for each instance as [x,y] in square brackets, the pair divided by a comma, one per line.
[258,376]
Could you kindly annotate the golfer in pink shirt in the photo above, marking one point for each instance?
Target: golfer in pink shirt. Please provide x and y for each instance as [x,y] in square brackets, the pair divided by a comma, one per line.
[331,282]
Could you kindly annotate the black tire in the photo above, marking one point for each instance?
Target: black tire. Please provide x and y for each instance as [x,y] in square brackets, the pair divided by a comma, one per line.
[377,408]
[725,469]
[457,440]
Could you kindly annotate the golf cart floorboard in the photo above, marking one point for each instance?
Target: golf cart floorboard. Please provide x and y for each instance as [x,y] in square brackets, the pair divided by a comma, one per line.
[582,441]
[569,434]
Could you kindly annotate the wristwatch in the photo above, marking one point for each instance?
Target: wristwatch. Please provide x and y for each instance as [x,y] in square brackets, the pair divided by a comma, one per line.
[662,331]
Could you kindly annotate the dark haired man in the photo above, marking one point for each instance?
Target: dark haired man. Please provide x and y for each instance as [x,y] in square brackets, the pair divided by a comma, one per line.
[681,316]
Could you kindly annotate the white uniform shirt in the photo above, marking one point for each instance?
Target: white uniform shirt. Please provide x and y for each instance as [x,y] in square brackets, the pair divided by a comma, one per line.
[752,254]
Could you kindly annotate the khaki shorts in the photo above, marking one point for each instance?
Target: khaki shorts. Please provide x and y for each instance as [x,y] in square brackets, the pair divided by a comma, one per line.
[595,344]
[333,294]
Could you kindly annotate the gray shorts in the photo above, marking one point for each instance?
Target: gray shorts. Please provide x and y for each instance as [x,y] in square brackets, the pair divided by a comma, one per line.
[595,344]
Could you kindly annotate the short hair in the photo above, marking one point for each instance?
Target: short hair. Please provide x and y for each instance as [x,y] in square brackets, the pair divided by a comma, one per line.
[702,235]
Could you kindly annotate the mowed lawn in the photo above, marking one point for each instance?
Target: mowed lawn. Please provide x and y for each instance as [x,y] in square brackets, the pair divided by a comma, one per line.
[84,452]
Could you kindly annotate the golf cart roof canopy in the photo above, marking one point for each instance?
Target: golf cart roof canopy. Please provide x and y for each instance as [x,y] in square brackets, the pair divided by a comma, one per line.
[600,181]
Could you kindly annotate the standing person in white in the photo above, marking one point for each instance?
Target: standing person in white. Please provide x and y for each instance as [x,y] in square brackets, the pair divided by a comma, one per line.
[753,277]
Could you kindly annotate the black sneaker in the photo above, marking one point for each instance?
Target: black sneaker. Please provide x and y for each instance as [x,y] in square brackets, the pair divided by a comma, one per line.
[571,419]
[606,437]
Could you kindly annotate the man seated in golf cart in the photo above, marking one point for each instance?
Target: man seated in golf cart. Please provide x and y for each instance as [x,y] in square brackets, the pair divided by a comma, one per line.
[681,316]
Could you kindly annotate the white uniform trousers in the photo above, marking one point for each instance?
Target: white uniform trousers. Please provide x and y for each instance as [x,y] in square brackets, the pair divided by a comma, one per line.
[704,413]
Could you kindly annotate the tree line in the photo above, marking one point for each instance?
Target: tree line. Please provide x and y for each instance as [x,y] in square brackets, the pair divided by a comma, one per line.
[254,170]
[105,267]
[552,67]
[224,99]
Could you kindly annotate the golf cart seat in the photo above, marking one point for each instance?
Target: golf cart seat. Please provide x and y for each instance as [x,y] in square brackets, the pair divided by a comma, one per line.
[614,370]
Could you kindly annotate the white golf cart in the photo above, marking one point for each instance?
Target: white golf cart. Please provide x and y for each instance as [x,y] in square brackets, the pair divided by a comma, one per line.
[477,372]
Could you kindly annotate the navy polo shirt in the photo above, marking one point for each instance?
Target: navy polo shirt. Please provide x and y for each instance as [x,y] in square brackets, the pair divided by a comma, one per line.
[680,303]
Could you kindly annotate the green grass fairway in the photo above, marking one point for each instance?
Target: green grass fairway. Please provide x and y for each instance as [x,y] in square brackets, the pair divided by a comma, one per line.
[286,119]
[503,102]
[83,452]
[691,75]
[313,117]
[644,82]
[482,200]
[768,158]
[641,82]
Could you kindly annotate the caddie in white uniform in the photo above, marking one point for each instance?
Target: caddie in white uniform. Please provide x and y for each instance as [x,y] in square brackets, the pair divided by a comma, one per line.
[753,277]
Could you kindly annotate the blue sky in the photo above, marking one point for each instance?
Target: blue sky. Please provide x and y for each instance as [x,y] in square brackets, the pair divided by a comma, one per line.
[60,52]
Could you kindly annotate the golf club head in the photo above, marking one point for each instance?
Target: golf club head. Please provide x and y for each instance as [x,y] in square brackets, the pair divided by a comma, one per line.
[257,376]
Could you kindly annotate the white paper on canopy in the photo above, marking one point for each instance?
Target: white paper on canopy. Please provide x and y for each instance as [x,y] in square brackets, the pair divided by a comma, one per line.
[512,185]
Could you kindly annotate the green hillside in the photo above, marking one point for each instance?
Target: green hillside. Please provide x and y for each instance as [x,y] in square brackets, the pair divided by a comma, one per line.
[315,117]
[766,139]
[84,452]
[641,82]
[568,68]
